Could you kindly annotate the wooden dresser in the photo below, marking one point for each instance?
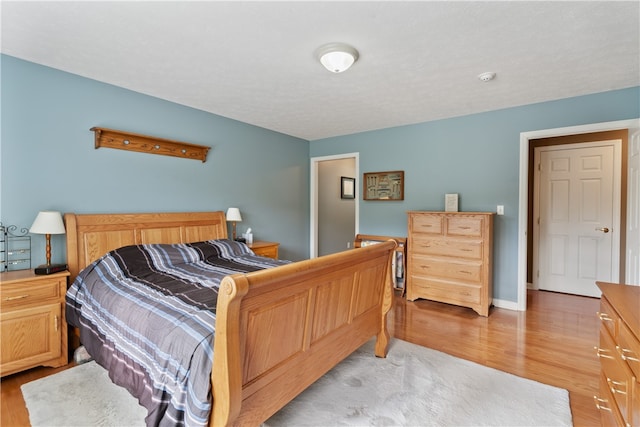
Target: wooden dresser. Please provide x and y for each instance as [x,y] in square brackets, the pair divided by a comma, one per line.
[449,258]
[34,329]
[619,354]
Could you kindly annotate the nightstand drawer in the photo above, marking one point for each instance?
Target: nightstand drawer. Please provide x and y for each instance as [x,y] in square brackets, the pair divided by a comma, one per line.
[265,249]
[34,292]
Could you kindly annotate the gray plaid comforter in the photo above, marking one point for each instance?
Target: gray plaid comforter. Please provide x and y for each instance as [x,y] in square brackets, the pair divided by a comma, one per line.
[147,314]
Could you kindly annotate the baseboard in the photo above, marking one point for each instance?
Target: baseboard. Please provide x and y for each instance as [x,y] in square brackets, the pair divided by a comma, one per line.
[509,305]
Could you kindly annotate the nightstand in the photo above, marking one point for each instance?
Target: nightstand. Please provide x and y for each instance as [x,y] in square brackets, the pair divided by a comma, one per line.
[266,249]
[32,320]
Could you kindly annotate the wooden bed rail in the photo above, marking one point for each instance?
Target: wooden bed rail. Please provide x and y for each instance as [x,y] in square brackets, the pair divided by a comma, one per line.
[279,330]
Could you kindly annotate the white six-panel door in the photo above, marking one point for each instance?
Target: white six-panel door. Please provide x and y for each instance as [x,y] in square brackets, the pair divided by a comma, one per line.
[577,193]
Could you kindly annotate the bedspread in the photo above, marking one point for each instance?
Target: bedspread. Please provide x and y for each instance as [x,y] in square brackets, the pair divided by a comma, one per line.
[147,314]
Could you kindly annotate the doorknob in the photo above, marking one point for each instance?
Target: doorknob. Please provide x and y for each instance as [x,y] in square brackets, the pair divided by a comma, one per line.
[603,229]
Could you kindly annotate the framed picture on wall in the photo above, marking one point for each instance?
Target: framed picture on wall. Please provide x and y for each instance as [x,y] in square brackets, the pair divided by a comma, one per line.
[347,188]
[384,185]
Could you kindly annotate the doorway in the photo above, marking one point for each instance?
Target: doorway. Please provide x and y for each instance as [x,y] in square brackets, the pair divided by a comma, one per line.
[576,216]
[333,220]
[525,203]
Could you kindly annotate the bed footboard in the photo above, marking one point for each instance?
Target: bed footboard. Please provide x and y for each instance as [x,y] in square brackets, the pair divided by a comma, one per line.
[279,330]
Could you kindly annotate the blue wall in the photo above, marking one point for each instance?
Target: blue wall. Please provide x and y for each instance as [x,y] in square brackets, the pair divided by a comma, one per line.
[476,156]
[48,160]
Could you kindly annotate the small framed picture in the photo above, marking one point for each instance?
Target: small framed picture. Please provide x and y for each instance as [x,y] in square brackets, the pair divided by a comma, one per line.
[347,188]
[451,202]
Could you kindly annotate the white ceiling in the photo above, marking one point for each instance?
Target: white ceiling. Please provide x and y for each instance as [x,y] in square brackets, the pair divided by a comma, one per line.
[254,61]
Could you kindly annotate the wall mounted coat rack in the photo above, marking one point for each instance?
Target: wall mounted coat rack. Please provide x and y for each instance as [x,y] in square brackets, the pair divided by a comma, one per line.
[148,144]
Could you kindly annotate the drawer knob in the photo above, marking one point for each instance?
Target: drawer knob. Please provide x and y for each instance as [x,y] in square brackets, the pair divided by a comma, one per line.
[16,297]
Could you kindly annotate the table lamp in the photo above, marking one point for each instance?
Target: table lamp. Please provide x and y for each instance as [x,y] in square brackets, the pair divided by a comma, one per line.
[48,223]
[233,215]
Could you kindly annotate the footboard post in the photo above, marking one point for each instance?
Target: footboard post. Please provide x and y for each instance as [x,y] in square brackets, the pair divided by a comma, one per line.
[382,339]
[226,373]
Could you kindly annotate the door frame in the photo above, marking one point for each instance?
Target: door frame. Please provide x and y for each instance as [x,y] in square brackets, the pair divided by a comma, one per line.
[616,202]
[521,303]
[313,209]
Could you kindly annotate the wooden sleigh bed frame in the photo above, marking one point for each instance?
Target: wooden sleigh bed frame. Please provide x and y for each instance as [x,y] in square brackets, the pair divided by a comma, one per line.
[315,312]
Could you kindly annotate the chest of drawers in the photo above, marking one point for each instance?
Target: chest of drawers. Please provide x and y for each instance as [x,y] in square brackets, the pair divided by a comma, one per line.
[449,258]
[619,354]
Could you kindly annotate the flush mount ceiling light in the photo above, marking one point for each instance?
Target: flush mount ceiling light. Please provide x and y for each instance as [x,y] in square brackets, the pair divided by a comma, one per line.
[337,57]
[487,77]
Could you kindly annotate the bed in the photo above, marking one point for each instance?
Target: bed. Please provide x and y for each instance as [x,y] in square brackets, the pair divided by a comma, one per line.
[277,330]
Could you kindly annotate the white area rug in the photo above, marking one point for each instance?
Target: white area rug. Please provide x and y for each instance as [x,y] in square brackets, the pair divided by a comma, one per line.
[413,386]
[82,396]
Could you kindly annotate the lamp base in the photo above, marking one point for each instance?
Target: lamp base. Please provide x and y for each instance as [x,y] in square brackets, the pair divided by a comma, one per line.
[50,269]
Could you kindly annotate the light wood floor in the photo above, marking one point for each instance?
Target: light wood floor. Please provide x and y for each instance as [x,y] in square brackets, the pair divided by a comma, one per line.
[552,342]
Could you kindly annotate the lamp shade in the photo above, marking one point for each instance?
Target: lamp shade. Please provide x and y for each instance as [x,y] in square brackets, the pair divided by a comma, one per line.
[48,222]
[337,57]
[233,214]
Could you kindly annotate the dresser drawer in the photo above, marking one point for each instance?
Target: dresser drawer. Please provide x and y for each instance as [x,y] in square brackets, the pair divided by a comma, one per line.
[34,292]
[449,292]
[459,248]
[634,420]
[464,226]
[608,317]
[617,374]
[606,404]
[467,271]
[431,224]
[629,349]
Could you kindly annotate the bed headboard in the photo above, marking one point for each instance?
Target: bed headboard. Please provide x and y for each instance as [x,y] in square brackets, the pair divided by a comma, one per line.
[89,236]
